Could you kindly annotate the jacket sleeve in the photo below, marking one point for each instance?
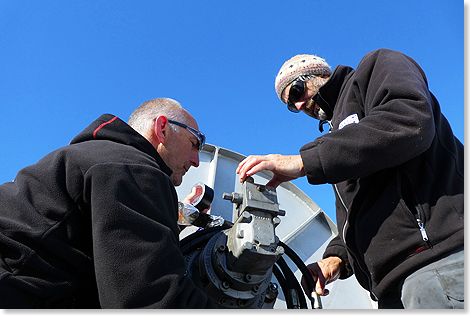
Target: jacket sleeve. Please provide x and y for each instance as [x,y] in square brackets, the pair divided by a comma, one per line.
[137,259]
[336,248]
[389,93]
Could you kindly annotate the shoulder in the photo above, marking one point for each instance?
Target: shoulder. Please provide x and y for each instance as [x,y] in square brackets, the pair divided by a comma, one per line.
[387,58]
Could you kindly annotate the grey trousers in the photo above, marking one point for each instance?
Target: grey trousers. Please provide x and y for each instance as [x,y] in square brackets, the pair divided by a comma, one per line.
[439,285]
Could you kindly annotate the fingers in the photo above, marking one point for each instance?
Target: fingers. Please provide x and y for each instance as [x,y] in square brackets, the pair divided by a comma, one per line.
[320,286]
[319,278]
[251,165]
[284,167]
[191,195]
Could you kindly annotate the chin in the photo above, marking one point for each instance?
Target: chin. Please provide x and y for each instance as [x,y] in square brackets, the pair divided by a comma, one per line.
[176,180]
[322,115]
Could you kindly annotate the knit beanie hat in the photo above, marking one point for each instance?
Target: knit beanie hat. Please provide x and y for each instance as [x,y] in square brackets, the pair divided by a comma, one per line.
[297,66]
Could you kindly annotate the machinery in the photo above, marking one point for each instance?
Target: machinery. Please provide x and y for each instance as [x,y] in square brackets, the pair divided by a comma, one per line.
[302,233]
[235,263]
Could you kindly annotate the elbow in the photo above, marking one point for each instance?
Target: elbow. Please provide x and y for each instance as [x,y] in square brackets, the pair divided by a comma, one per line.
[423,136]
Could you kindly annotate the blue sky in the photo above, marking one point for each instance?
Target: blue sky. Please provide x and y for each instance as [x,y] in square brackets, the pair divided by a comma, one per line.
[64,63]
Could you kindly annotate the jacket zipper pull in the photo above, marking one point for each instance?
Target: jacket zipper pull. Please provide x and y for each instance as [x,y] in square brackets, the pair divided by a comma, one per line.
[423,231]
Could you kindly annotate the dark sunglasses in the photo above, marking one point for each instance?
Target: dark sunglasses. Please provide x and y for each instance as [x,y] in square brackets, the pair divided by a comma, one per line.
[199,135]
[297,90]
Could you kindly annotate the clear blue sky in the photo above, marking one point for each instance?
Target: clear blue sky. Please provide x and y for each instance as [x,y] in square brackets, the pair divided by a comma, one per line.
[64,63]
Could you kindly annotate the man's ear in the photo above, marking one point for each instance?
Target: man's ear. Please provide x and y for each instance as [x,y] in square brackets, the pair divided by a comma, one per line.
[161,129]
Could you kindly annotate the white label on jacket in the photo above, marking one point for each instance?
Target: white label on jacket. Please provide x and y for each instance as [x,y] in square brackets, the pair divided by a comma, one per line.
[351,119]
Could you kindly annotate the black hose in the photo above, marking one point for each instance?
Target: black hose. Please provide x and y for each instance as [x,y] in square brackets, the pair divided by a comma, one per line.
[280,278]
[287,280]
[191,237]
[303,269]
[294,294]
[193,241]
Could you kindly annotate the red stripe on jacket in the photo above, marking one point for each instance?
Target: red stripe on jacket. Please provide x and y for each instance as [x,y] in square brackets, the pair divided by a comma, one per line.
[102,125]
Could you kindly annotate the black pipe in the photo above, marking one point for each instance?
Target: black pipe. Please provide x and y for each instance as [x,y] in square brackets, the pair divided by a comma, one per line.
[280,278]
[303,269]
[294,295]
[196,235]
[195,241]
[287,280]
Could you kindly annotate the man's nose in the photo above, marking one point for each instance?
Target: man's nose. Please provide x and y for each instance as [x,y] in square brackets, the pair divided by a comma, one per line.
[194,159]
[299,104]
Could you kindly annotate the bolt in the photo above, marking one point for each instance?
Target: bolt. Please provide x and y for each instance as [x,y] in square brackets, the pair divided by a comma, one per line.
[249,245]
[249,179]
[248,277]
[261,188]
[245,217]
[233,197]
[272,287]
[225,285]
[271,292]
[221,248]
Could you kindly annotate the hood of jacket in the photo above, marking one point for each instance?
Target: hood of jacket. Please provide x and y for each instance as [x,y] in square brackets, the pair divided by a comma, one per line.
[111,128]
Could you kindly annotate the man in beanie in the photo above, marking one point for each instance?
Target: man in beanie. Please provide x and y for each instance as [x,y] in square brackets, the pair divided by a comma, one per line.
[396,170]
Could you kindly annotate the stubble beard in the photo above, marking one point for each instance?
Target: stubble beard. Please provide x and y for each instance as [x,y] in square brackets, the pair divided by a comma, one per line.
[312,109]
[315,111]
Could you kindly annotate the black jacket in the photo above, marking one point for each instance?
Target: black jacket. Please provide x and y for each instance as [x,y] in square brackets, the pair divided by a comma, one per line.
[93,225]
[396,167]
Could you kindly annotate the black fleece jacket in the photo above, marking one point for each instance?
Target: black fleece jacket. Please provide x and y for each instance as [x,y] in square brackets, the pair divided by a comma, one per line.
[93,225]
[396,167]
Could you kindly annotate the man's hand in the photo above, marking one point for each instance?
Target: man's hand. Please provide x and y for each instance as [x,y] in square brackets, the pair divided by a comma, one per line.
[191,195]
[323,272]
[284,167]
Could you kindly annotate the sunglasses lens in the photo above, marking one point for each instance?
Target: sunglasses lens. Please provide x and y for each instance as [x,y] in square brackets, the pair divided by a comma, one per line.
[202,140]
[296,92]
[292,108]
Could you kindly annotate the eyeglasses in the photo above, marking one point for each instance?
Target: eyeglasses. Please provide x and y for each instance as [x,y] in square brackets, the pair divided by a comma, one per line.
[199,135]
[297,90]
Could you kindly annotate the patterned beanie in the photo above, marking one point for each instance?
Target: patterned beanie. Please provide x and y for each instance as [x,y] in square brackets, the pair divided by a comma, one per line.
[297,66]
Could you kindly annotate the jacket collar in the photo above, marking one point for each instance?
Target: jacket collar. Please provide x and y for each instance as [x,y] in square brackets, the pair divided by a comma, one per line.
[328,94]
[110,127]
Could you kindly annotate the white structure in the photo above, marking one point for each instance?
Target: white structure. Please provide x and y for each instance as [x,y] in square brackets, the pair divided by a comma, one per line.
[305,228]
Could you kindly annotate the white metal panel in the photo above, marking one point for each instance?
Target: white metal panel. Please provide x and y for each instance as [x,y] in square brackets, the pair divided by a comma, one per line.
[305,228]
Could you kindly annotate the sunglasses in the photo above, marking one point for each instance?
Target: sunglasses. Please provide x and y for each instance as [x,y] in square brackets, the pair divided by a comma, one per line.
[297,90]
[199,135]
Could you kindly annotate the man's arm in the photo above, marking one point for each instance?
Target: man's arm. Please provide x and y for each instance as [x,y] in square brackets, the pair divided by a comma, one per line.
[137,259]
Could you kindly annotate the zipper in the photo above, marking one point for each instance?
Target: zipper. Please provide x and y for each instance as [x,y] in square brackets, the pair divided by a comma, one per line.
[346,245]
[344,233]
[412,205]
[424,234]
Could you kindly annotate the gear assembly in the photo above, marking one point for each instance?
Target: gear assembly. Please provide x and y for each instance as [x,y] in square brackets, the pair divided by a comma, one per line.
[241,265]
